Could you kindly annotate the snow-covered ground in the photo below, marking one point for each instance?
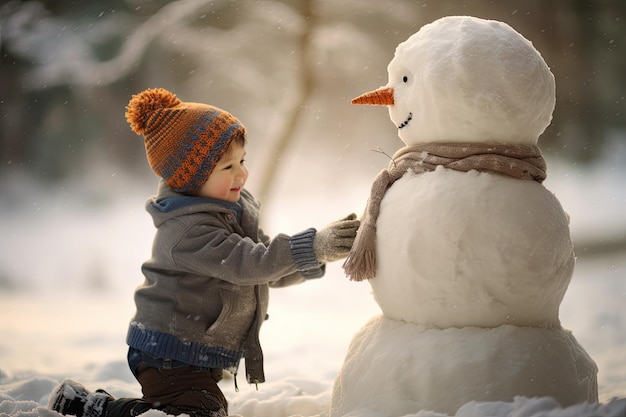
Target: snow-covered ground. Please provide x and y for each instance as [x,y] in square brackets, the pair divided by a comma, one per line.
[70,260]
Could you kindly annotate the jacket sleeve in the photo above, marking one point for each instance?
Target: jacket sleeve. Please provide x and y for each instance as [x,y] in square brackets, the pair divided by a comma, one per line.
[212,251]
[304,257]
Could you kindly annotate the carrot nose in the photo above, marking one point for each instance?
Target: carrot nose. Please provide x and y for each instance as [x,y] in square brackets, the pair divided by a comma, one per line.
[381,97]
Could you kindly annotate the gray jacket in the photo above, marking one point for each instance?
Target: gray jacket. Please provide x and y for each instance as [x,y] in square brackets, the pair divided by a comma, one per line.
[205,293]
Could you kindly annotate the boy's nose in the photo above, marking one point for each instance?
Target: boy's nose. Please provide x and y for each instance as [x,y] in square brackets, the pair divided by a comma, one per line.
[241,173]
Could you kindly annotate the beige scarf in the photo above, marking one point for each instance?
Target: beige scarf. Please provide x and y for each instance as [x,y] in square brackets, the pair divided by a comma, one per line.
[517,161]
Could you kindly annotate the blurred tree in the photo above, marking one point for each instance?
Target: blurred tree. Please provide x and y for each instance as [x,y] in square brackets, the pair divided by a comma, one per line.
[286,68]
[586,53]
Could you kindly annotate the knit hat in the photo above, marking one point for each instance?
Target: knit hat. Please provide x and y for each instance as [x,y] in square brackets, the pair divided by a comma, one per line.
[183,140]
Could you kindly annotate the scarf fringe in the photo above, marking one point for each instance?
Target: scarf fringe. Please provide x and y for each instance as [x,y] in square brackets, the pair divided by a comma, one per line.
[361,261]
[361,265]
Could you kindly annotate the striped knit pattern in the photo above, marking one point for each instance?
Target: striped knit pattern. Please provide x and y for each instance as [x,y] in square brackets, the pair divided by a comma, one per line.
[184,141]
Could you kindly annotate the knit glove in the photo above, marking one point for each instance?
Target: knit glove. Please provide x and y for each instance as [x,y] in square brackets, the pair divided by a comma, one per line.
[334,241]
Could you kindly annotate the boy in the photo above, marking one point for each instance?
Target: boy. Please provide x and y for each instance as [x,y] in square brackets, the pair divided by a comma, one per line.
[205,293]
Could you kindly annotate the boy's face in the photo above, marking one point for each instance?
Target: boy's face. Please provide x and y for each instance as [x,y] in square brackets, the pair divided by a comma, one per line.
[228,177]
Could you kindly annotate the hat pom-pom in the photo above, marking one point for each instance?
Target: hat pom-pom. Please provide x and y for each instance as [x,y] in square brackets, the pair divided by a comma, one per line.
[142,105]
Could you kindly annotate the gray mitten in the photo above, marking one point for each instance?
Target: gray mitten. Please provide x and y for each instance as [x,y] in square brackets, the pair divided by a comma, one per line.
[334,241]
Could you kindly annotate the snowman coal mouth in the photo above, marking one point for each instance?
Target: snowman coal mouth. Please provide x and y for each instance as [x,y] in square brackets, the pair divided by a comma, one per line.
[406,122]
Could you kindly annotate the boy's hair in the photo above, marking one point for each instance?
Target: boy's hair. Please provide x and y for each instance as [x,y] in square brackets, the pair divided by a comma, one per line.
[183,140]
[239,138]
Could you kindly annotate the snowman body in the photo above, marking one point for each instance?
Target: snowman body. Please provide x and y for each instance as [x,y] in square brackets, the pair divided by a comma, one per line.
[471,267]
[458,249]
[395,368]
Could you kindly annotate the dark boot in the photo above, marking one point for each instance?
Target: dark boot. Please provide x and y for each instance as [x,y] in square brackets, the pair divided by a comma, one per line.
[72,398]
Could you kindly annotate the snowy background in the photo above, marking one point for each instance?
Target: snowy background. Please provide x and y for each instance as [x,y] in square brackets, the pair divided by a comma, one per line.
[73,179]
[77,255]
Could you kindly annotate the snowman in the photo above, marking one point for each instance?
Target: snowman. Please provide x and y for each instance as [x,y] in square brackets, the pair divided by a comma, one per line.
[467,253]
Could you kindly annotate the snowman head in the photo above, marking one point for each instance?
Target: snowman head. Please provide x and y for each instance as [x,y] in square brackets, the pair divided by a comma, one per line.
[464,79]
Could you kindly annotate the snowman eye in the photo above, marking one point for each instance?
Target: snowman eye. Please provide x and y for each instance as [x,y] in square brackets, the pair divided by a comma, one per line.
[405,79]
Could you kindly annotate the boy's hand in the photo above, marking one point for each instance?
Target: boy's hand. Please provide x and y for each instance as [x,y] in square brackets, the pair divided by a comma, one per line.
[334,241]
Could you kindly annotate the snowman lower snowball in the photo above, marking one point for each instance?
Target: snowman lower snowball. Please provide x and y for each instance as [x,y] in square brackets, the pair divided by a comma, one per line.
[468,254]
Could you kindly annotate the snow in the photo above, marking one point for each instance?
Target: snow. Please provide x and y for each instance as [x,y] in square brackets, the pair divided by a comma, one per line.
[73,262]
[73,258]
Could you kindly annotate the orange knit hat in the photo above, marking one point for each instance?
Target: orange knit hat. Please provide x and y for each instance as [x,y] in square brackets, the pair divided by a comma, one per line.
[183,141]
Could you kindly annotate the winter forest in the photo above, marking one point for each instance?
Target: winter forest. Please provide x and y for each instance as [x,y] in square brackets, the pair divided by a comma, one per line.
[74,177]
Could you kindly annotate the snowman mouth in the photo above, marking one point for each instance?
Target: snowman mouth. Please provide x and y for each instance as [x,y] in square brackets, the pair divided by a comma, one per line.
[406,122]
